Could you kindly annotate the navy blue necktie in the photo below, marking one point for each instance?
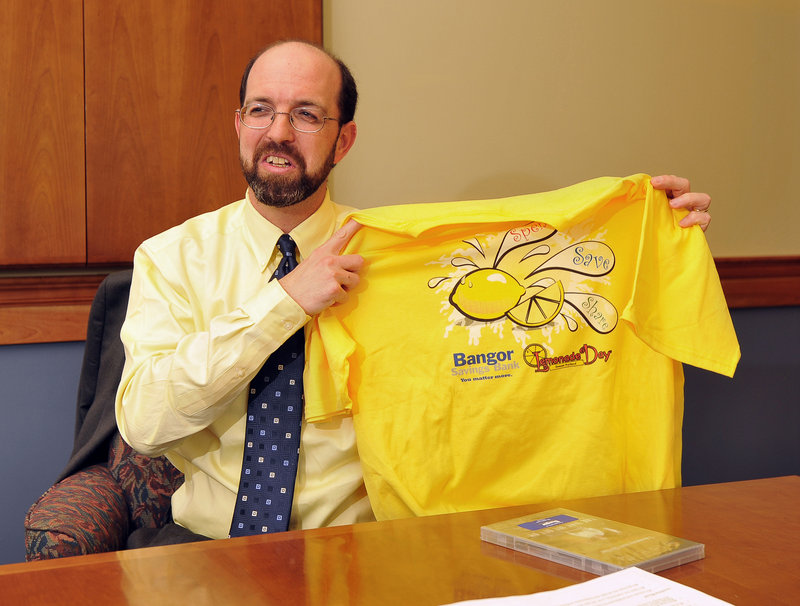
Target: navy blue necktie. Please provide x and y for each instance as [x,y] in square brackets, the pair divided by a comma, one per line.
[272,436]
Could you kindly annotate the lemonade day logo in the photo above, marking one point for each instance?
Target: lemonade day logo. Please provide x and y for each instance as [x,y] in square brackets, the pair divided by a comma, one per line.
[536,356]
[533,276]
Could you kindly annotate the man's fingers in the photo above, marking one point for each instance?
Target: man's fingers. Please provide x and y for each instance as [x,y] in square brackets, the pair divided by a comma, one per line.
[692,201]
[697,204]
[680,194]
[674,186]
[347,282]
[340,238]
[325,277]
[348,268]
[351,263]
[343,282]
[696,217]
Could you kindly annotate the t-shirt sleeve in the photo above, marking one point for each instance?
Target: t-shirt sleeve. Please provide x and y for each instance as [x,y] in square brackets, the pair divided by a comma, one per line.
[677,305]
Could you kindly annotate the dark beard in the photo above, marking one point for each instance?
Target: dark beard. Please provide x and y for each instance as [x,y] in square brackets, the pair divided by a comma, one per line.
[280,191]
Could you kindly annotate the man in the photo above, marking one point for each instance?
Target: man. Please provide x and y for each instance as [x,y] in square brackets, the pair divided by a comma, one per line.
[204,316]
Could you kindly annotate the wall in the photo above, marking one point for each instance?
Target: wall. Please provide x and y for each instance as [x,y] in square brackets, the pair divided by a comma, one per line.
[749,426]
[39,387]
[460,100]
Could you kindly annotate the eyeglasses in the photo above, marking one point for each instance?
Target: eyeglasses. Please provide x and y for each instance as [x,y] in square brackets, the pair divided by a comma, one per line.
[302,119]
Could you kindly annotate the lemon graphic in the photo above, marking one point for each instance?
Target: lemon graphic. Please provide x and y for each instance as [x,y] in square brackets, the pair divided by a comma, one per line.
[540,308]
[486,294]
[533,353]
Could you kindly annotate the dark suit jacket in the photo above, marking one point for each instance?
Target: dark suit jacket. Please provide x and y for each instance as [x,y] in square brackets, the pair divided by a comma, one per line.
[103,360]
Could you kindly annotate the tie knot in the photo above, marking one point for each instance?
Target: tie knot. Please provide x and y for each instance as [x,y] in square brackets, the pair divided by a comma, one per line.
[287,246]
[289,261]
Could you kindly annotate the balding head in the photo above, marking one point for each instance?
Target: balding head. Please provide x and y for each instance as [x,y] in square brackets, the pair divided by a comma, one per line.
[347,93]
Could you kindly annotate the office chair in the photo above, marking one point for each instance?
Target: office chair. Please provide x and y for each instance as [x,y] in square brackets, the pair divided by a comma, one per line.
[107,490]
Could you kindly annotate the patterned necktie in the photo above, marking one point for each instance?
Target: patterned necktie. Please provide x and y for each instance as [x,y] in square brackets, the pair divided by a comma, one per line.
[272,436]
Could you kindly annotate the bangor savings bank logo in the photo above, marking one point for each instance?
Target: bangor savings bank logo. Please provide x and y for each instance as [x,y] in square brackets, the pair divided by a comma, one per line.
[525,283]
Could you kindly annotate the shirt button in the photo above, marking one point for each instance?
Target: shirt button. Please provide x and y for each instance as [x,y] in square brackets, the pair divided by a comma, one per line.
[287,325]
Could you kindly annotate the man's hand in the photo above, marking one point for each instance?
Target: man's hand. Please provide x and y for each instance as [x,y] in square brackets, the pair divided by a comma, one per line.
[681,196]
[325,276]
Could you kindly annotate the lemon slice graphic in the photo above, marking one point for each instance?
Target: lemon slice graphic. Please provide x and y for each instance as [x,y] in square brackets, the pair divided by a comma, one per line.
[540,308]
[533,353]
[486,294]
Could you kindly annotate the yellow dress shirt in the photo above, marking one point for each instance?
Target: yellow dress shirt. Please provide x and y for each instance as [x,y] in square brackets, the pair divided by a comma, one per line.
[202,318]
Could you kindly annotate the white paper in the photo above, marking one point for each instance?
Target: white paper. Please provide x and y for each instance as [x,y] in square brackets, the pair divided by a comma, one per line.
[629,587]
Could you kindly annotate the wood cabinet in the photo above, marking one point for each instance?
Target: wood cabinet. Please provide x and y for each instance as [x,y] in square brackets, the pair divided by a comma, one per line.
[42,170]
[116,122]
[160,142]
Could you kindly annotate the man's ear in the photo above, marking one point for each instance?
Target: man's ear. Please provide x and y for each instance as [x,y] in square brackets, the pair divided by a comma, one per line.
[237,123]
[347,136]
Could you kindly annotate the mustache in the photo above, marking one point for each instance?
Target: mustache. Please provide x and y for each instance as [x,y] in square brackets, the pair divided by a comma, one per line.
[268,148]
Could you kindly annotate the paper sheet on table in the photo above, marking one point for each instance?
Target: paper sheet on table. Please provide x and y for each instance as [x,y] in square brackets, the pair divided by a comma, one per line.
[629,587]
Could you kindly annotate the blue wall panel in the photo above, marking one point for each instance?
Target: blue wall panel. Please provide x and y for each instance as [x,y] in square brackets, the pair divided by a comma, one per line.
[747,427]
[37,399]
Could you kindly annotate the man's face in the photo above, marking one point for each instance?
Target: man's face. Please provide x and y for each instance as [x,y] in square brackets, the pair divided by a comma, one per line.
[291,183]
[283,166]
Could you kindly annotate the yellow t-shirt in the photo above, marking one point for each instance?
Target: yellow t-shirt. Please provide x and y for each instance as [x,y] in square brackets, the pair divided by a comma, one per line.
[520,350]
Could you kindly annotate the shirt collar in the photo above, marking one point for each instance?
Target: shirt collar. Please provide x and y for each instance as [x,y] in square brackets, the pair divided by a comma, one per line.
[312,232]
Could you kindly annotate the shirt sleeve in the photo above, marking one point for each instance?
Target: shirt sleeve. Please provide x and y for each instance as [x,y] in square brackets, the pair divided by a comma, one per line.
[182,369]
[677,305]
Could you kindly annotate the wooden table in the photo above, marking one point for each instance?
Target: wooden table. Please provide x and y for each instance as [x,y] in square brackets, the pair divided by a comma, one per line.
[751,531]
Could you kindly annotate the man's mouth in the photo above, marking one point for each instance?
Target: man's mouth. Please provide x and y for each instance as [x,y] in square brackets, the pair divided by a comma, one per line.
[277,161]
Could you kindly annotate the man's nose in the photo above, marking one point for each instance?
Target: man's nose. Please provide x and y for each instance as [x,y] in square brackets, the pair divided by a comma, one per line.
[281,128]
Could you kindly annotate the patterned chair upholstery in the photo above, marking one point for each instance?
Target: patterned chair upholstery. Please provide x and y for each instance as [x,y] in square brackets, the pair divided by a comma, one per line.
[95,509]
[106,491]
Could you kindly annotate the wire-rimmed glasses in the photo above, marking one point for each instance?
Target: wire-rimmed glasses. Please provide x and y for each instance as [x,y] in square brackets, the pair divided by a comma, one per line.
[302,119]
